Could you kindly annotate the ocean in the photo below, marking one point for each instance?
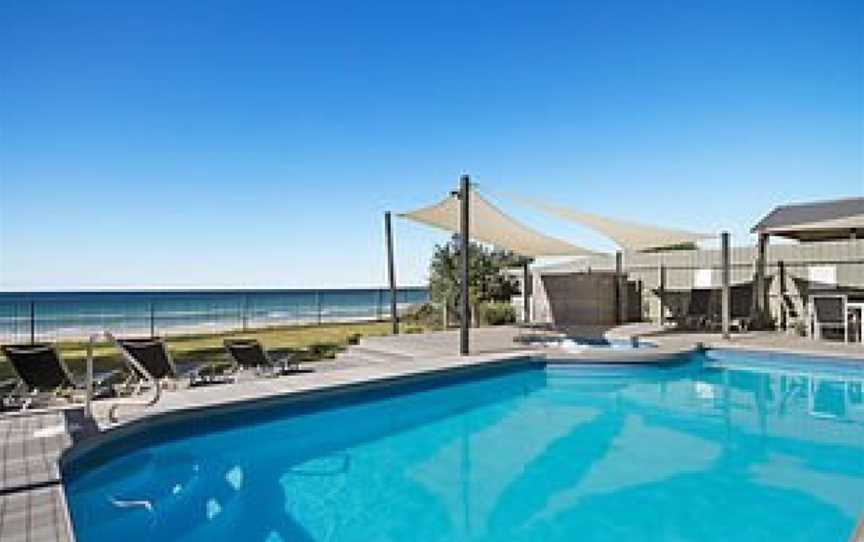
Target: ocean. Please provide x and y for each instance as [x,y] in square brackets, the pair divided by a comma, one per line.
[52,316]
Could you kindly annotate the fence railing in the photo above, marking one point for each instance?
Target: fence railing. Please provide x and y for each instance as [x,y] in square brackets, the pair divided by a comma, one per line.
[74,316]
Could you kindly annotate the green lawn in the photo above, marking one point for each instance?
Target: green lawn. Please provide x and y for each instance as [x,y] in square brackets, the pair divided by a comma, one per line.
[311,341]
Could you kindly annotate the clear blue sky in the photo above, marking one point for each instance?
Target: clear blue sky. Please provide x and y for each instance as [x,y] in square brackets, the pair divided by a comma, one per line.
[256,144]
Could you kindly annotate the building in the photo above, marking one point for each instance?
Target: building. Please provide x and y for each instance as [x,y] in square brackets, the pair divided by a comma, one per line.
[781,285]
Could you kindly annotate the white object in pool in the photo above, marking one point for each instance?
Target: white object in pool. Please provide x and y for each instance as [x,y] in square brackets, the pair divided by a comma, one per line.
[572,346]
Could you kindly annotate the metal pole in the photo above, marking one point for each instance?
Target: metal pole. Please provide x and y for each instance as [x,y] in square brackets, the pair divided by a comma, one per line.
[620,301]
[526,291]
[766,307]
[88,412]
[726,301]
[318,305]
[152,319]
[464,194]
[391,273]
[662,294]
[760,293]
[784,318]
[245,310]
[32,322]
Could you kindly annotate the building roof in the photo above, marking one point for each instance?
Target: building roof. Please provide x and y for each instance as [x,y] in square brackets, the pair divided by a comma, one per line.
[817,221]
[489,225]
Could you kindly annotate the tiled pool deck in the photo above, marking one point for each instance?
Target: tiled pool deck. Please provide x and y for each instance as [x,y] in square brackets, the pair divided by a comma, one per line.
[32,507]
[32,504]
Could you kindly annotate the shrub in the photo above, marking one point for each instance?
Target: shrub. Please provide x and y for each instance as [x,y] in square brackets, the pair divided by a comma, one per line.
[412,329]
[323,350]
[496,314]
[425,315]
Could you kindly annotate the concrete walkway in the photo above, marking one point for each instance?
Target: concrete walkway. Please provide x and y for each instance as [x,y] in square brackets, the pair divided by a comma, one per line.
[32,505]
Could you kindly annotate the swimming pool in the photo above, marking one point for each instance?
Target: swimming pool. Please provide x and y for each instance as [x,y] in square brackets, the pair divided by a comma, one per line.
[726,446]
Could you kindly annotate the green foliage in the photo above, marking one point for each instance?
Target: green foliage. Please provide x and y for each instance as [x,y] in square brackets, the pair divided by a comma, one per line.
[497,313]
[486,279]
[322,350]
[426,315]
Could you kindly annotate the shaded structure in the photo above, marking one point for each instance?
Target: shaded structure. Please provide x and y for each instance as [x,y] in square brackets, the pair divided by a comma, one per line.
[472,217]
[830,305]
[819,221]
[629,236]
[490,225]
[780,285]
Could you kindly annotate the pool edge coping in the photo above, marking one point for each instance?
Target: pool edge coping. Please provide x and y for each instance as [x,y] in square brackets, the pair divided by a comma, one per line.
[107,434]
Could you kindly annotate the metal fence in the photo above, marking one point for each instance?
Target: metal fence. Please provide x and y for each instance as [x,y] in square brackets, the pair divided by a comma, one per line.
[74,316]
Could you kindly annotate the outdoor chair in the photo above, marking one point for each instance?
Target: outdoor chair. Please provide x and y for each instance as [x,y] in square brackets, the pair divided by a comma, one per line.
[697,316]
[829,315]
[42,374]
[249,354]
[151,356]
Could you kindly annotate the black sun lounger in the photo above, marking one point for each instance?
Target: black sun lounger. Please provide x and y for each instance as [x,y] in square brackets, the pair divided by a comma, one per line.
[249,354]
[152,356]
[42,372]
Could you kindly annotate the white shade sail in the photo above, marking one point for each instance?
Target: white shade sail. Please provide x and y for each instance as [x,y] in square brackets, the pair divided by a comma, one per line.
[627,235]
[489,225]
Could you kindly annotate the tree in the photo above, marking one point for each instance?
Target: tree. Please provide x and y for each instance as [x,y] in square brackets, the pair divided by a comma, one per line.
[486,280]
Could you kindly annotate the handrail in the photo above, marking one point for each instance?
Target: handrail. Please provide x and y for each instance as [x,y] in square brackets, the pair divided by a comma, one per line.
[157,386]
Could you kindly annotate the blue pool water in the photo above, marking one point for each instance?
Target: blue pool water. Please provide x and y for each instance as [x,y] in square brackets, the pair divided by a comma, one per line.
[728,446]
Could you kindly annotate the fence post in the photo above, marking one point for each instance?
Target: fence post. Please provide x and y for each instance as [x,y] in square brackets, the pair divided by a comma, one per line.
[245,312]
[32,322]
[88,411]
[318,304]
[152,319]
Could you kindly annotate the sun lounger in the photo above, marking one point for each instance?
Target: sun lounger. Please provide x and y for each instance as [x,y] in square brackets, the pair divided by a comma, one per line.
[152,356]
[42,374]
[249,354]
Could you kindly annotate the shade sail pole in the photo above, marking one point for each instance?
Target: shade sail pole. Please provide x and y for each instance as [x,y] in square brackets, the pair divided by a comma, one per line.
[620,300]
[526,291]
[726,300]
[391,272]
[464,187]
